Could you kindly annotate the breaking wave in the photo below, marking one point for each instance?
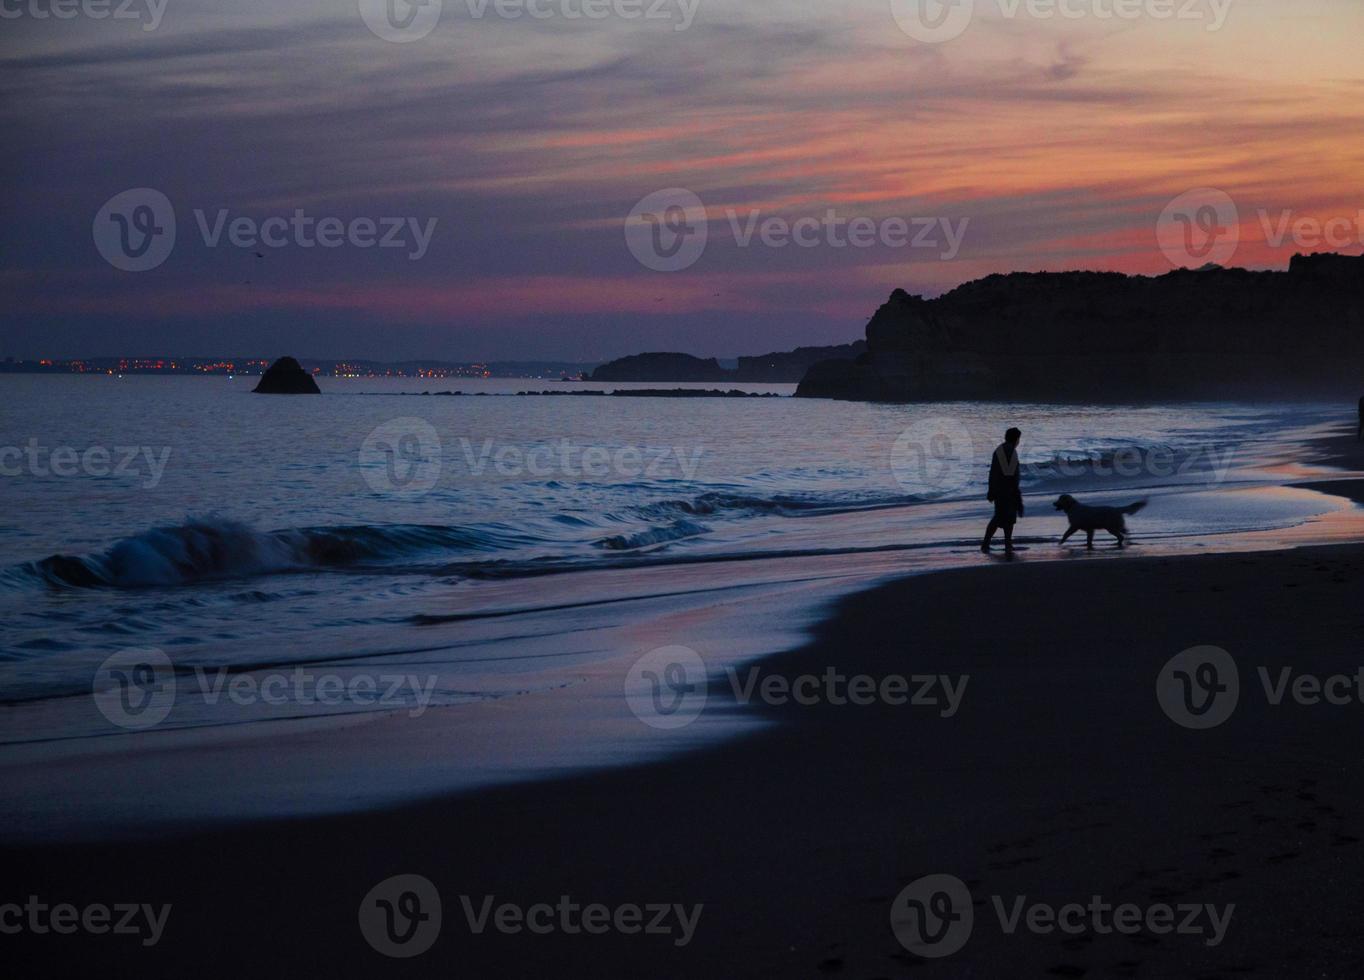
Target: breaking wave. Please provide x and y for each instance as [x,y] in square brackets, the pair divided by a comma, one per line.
[203,550]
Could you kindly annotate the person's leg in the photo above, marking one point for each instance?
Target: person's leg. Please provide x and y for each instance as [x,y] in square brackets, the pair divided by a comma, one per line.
[990,530]
[1008,539]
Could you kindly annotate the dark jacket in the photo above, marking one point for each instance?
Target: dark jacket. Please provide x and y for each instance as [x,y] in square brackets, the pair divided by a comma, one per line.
[1005,477]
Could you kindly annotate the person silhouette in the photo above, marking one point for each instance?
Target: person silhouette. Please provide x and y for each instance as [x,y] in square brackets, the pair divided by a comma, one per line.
[1005,491]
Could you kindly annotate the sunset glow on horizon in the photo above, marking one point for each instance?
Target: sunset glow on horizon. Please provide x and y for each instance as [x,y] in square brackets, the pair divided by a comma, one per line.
[1054,142]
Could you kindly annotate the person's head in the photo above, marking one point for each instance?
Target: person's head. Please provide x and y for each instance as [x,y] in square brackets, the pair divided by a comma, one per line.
[1013,436]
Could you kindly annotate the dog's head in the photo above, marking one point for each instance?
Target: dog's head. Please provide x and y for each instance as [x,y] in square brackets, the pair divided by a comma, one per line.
[1064,502]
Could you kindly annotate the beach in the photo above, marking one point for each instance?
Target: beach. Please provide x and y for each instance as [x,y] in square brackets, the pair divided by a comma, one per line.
[1039,763]
[540,516]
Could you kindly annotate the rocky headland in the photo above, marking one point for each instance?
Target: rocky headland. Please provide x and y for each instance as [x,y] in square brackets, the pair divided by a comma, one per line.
[1196,334]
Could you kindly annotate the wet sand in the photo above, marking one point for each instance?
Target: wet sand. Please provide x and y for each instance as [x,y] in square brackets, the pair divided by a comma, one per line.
[1058,777]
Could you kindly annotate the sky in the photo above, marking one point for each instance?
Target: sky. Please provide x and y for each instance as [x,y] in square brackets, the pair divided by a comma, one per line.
[584,179]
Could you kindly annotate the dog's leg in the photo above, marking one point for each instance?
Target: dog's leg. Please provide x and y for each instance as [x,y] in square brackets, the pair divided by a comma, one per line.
[1065,537]
[1089,539]
[1118,535]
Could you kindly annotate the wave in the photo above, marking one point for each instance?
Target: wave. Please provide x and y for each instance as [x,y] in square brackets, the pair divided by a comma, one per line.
[653,536]
[719,503]
[206,550]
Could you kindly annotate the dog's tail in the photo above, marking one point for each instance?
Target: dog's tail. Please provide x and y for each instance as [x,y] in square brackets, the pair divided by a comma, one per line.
[1133,508]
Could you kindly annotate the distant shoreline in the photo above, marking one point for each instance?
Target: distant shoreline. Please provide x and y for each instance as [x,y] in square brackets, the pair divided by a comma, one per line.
[340,367]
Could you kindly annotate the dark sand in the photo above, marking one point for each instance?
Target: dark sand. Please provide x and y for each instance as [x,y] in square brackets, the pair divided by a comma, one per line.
[1060,778]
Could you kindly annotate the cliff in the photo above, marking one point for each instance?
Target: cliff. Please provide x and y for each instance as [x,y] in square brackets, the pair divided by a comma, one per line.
[1107,336]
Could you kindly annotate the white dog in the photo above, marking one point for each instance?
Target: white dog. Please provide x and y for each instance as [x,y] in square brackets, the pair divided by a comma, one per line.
[1090,519]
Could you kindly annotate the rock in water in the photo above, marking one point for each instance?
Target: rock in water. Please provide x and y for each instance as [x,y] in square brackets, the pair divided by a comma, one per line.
[286,377]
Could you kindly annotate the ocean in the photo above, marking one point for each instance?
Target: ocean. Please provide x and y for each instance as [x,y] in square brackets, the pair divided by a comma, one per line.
[495,549]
